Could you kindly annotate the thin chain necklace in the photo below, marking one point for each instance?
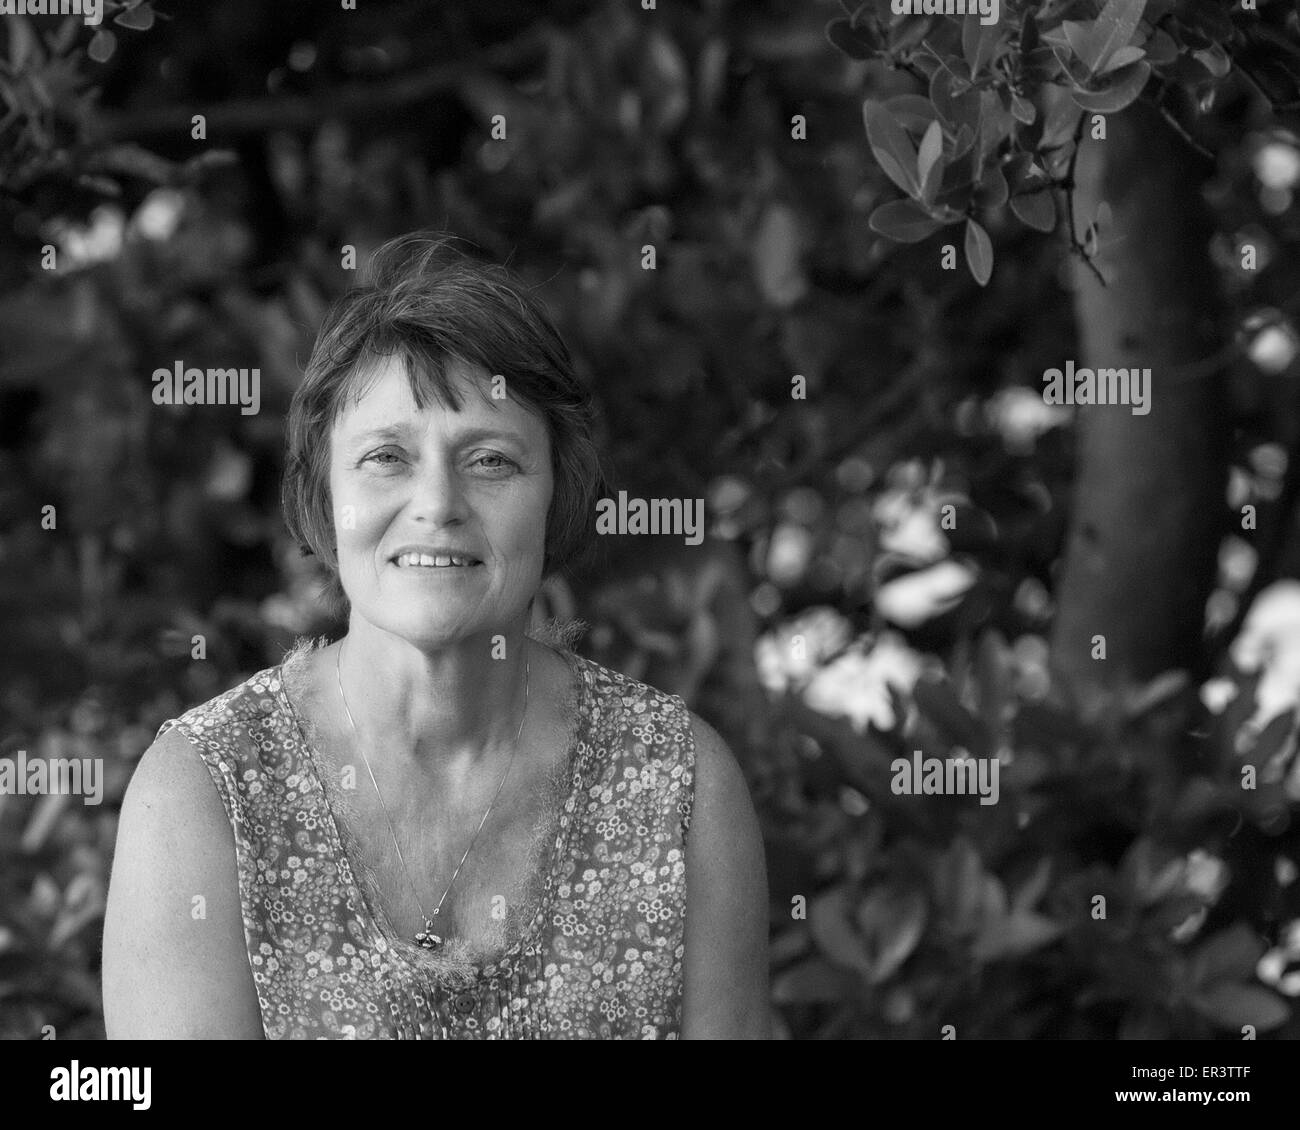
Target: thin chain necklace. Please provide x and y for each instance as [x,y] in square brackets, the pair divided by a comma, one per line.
[426,937]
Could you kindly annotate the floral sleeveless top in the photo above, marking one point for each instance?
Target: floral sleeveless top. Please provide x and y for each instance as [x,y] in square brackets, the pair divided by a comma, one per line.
[601,957]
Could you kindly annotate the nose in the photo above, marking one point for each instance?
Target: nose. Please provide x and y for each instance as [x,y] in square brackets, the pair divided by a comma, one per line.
[438,496]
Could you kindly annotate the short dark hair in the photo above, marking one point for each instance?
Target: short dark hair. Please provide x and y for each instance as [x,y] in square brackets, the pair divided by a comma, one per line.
[428,304]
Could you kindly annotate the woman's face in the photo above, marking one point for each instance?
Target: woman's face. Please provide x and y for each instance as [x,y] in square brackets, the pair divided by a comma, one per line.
[440,516]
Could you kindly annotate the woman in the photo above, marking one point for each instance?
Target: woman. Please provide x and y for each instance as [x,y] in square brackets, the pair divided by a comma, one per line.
[437,826]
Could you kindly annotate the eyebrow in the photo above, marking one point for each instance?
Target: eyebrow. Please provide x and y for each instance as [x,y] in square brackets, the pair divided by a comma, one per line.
[371,435]
[392,432]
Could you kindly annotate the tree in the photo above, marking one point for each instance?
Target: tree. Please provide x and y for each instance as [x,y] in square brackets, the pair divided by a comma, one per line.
[1070,115]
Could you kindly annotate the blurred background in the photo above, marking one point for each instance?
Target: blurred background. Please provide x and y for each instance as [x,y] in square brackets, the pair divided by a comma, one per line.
[907,547]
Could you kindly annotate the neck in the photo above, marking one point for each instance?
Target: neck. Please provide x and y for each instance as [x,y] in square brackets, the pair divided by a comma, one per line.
[452,707]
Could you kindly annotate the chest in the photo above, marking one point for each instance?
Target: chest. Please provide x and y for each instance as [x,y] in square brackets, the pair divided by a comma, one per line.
[471,854]
[476,867]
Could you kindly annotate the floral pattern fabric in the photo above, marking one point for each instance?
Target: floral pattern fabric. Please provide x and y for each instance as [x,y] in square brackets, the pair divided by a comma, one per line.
[600,958]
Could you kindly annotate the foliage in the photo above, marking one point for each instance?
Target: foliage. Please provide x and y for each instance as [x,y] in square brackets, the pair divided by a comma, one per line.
[939,911]
[986,135]
[48,94]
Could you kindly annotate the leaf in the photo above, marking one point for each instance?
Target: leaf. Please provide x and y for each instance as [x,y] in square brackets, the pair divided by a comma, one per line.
[933,181]
[903,220]
[1122,88]
[938,701]
[963,146]
[133,160]
[1036,210]
[1021,932]
[1090,241]
[979,252]
[993,900]
[83,904]
[1272,740]
[843,36]
[62,39]
[665,83]
[1161,48]
[860,42]
[829,922]
[1230,955]
[958,885]
[1123,57]
[102,46]
[776,254]
[1033,888]
[1076,35]
[1111,31]
[1029,38]
[1272,61]
[892,147]
[104,185]
[931,149]
[1214,59]
[892,927]
[995,123]
[992,668]
[42,820]
[1061,118]
[40,90]
[136,19]
[1039,66]
[909,33]
[200,164]
[1156,693]
[955,109]
[1023,110]
[979,44]
[1177,914]
[912,111]
[1232,1005]
[1152,870]
[23,43]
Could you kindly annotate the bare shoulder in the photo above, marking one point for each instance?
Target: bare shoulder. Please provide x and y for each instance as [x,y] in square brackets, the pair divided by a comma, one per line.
[170,773]
[721,792]
[725,991]
[174,960]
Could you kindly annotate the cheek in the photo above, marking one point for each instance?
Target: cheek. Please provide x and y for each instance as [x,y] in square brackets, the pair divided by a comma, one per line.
[532,526]
[357,522]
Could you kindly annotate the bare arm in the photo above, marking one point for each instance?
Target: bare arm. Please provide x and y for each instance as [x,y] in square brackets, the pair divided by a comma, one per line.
[167,973]
[726,973]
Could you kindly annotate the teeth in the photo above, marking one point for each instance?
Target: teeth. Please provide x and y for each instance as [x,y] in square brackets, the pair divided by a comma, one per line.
[430,561]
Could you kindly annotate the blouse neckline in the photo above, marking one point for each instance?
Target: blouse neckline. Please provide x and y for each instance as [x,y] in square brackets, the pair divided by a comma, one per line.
[375,916]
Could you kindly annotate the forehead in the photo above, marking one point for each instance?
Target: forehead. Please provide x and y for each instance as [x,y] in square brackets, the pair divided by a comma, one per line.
[383,392]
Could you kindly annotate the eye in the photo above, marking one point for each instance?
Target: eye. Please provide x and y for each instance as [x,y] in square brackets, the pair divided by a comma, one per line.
[385,457]
[495,462]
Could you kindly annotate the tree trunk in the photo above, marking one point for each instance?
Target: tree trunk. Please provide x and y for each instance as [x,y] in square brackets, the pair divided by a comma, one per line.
[1142,547]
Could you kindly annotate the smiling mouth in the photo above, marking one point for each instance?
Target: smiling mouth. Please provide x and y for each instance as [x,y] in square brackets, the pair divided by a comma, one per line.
[434,561]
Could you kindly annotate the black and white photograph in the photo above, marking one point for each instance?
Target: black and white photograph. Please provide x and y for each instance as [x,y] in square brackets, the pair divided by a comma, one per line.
[765,520]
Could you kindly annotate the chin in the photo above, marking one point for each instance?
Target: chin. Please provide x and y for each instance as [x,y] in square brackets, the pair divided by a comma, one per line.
[432,629]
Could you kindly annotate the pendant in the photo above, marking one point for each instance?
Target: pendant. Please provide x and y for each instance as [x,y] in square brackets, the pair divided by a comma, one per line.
[427,938]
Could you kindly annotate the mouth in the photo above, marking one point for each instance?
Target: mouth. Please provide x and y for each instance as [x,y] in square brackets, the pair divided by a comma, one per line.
[419,559]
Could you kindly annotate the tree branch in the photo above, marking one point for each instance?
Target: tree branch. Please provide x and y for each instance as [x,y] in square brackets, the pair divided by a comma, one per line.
[1159,103]
[1068,186]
